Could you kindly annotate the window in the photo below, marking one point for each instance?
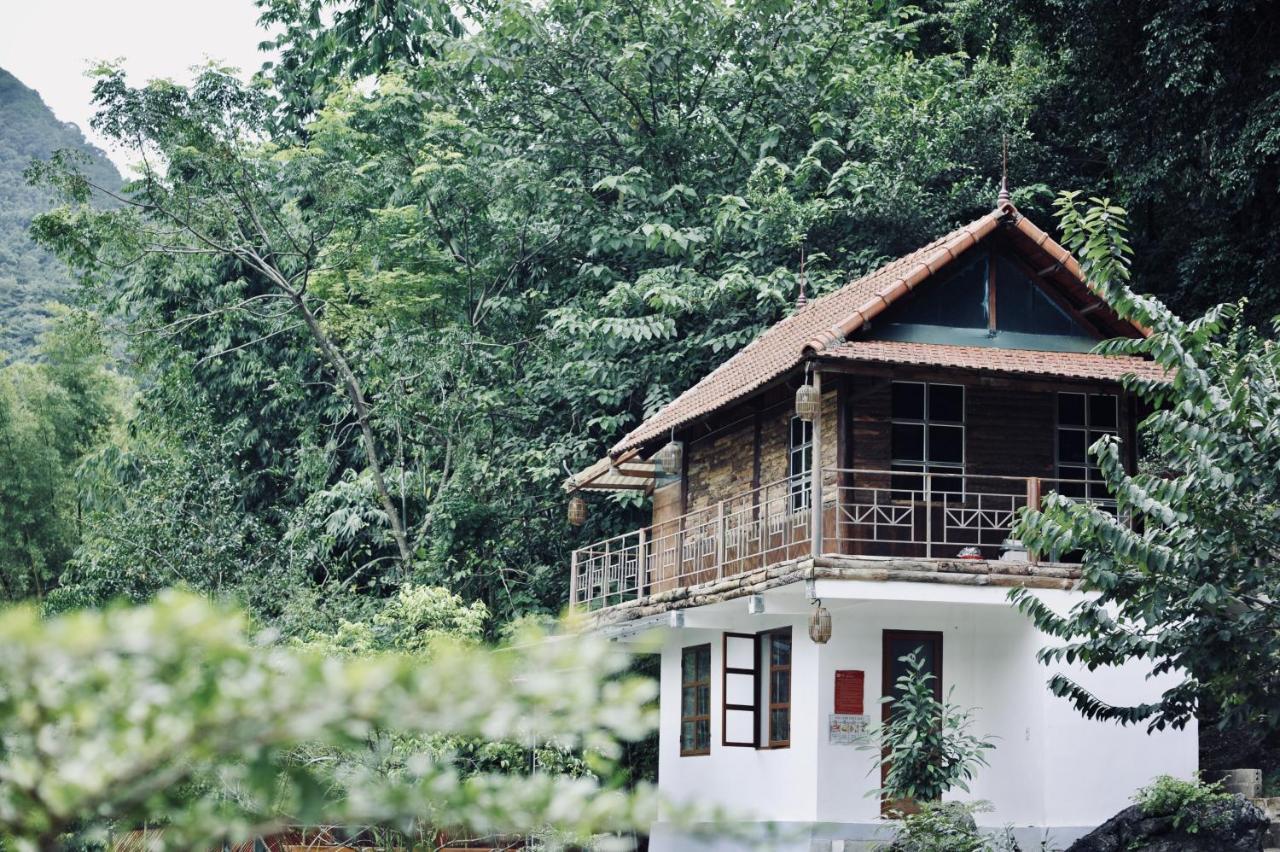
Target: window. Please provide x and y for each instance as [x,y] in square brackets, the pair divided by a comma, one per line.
[775,647]
[1082,420]
[757,675]
[800,462]
[695,700]
[927,436]
[960,302]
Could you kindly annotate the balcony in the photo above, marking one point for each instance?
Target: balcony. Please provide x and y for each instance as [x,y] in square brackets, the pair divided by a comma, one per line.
[904,514]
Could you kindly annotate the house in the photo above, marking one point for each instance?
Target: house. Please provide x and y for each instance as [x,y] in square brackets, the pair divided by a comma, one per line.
[944,392]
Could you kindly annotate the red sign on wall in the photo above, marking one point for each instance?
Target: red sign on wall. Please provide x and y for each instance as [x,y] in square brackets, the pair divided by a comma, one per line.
[849,683]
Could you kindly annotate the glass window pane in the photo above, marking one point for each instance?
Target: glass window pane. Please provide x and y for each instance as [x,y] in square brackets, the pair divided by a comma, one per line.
[946,444]
[781,654]
[1071,482]
[686,736]
[739,689]
[739,726]
[960,301]
[1071,409]
[780,725]
[689,702]
[907,442]
[1102,411]
[740,652]
[905,486]
[689,666]
[702,735]
[946,484]
[1071,446]
[1021,305]
[703,702]
[704,663]
[946,402]
[780,686]
[908,401]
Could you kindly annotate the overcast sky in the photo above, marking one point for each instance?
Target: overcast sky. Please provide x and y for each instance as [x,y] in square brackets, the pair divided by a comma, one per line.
[48,44]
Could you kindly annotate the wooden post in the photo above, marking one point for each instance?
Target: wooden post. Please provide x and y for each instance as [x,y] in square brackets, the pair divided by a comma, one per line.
[1033,504]
[815,475]
[573,580]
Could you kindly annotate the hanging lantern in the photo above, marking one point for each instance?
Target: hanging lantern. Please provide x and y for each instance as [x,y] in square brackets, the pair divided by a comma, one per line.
[820,624]
[807,403]
[577,511]
[669,460]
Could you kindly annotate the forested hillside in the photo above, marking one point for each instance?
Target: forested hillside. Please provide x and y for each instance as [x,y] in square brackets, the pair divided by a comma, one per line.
[29,276]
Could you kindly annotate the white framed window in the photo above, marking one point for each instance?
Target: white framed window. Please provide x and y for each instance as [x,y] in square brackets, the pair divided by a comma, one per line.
[927,436]
[1082,420]
[800,462]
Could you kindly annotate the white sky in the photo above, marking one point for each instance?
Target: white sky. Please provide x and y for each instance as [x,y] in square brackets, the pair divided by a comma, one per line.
[48,45]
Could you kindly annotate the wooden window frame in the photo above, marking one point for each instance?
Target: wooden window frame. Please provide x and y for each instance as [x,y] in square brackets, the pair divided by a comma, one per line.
[694,684]
[926,467]
[754,706]
[771,704]
[1088,465]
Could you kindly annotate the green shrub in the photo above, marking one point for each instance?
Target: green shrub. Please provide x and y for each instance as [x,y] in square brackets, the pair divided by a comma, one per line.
[1193,805]
[948,827]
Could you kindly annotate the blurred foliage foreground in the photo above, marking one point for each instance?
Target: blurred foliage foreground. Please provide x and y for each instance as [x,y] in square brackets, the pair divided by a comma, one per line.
[177,714]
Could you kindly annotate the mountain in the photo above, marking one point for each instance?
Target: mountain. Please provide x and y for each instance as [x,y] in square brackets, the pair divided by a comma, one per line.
[29,277]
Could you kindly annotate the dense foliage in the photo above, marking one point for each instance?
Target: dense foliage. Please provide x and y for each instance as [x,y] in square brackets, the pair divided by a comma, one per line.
[1184,568]
[381,333]
[29,277]
[175,715]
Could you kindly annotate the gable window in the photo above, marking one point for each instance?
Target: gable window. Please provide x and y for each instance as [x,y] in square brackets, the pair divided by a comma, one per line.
[695,700]
[757,689]
[927,437]
[1082,420]
[800,462]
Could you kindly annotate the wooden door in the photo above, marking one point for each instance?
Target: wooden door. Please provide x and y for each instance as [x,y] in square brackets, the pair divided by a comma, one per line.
[896,645]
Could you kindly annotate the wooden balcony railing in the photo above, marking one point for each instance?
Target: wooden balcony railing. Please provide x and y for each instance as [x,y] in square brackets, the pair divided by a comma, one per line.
[903,513]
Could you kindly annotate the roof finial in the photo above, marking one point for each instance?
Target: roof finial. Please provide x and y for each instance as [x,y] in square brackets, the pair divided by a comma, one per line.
[1003,198]
[801,299]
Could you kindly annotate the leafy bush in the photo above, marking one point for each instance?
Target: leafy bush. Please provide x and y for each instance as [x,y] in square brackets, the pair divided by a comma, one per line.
[928,744]
[1193,805]
[948,827]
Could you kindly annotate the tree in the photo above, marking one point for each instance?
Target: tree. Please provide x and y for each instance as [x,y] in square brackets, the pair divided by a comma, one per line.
[212,193]
[1182,573]
[54,413]
[117,715]
[925,742]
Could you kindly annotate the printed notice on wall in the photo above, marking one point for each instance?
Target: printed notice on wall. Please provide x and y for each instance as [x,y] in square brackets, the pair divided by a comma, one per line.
[846,728]
[849,683]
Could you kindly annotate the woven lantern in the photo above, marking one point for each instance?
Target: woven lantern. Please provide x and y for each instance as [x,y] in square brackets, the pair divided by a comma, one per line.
[820,624]
[577,511]
[669,459]
[807,402]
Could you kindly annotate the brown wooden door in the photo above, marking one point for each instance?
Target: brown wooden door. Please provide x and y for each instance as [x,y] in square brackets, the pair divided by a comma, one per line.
[896,645]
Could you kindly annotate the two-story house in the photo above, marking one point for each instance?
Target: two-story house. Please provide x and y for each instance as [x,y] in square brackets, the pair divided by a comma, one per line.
[840,493]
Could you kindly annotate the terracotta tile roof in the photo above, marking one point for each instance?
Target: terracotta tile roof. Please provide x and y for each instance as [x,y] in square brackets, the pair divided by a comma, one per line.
[1064,365]
[826,322]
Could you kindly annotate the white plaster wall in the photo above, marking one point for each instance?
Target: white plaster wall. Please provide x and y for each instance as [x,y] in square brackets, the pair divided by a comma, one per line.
[1050,768]
[758,784]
